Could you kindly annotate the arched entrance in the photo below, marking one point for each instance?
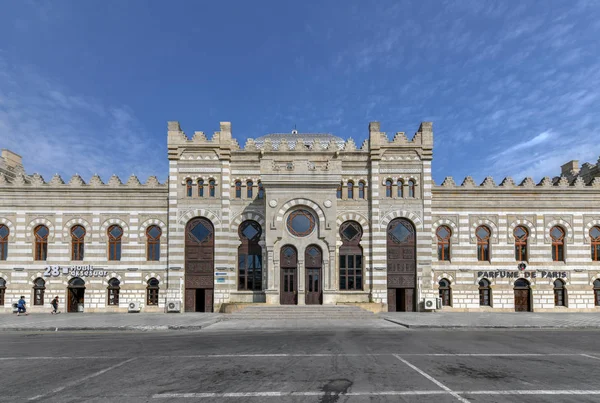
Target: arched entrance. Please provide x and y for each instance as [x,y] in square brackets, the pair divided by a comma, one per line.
[75,294]
[199,265]
[289,276]
[522,296]
[401,266]
[313,259]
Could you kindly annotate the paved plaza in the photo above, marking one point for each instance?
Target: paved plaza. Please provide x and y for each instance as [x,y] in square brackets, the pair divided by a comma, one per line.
[387,364]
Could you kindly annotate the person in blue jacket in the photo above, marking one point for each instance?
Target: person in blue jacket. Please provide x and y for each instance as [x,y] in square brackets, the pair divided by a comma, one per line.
[21,306]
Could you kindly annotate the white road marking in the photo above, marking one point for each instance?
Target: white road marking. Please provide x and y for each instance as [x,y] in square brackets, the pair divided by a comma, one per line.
[590,356]
[530,392]
[432,379]
[80,381]
[57,358]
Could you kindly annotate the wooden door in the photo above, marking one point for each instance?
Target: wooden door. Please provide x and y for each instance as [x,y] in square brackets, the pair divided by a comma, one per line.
[289,283]
[72,302]
[409,298]
[199,263]
[208,300]
[190,300]
[522,300]
[313,259]
[401,265]
[391,297]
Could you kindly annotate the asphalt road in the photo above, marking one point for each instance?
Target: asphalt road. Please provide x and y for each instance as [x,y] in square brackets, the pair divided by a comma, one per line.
[341,365]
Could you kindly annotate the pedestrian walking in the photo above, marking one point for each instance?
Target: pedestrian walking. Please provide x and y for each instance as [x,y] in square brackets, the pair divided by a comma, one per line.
[21,306]
[55,306]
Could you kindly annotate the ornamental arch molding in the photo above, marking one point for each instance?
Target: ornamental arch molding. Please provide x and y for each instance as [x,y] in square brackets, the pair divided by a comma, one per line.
[587,228]
[445,222]
[11,228]
[114,221]
[303,202]
[245,216]
[560,223]
[188,215]
[415,219]
[77,221]
[353,216]
[39,221]
[149,222]
[5,278]
[487,223]
[112,275]
[526,223]
[152,275]
[445,275]
[592,278]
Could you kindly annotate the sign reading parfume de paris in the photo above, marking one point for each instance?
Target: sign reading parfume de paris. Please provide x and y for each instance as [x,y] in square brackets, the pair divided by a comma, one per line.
[75,271]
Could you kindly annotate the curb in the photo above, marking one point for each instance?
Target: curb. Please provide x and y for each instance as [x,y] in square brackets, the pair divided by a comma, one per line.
[104,328]
[549,327]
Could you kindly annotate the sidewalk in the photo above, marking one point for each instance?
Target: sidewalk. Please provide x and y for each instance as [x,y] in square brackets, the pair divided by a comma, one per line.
[499,320]
[107,321]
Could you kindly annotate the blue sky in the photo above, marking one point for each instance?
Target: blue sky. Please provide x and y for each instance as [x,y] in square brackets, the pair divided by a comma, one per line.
[513,88]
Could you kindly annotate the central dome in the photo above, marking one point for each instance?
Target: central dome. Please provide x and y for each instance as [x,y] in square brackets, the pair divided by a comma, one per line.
[292,138]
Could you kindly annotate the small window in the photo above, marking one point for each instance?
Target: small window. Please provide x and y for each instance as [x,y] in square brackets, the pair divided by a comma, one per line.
[188,188]
[261,191]
[152,292]
[238,190]
[361,190]
[4,232]
[153,234]
[559,293]
[249,186]
[484,292]
[2,290]
[39,287]
[388,188]
[521,235]
[597,292]
[115,234]
[445,292]
[211,188]
[483,244]
[338,192]
[77,242]
[200,188]
[411,188]
[114,286]
[558,244]
[595,241]
[400,188]
[350,190]
[41,233]
[443,234]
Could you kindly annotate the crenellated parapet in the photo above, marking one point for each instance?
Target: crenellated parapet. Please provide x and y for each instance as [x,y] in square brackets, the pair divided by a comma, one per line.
[559,183]
[76,181]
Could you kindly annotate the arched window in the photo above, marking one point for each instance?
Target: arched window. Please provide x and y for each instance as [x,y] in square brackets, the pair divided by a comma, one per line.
[211,188]
[351,256]
[338,192]
[188,188]
[238,189]
[153,234]
[445,292]
[558,244]
[114,286]
[249,185]
[484,292]
[388,188]
[443,234]
[560,293]
[200,188]
[521,234]
[350,190]
[77,242]
[411,188]
[4,242]
[2,290]
[250,257]
[39,287]
[41,233]
[152,292]
[483,243]
[261,191]
[597,292]
[115,233]
[400,188]
[595,241]
[361,190]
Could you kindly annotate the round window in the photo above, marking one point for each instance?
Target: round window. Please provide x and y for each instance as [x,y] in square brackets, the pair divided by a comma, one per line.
[300,223]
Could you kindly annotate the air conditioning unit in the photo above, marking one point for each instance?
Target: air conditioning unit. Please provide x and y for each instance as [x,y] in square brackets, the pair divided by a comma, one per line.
[430,304]
[438,303]
[173,306]
[134,307]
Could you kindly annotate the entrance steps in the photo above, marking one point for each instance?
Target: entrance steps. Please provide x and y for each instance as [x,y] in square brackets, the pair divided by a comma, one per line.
[302,312]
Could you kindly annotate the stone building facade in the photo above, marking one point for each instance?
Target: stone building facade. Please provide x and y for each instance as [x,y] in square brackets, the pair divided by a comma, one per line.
[300,218]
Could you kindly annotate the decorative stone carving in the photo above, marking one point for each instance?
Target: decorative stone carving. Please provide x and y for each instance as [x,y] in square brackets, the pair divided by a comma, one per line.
[327,203]
[273,203]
